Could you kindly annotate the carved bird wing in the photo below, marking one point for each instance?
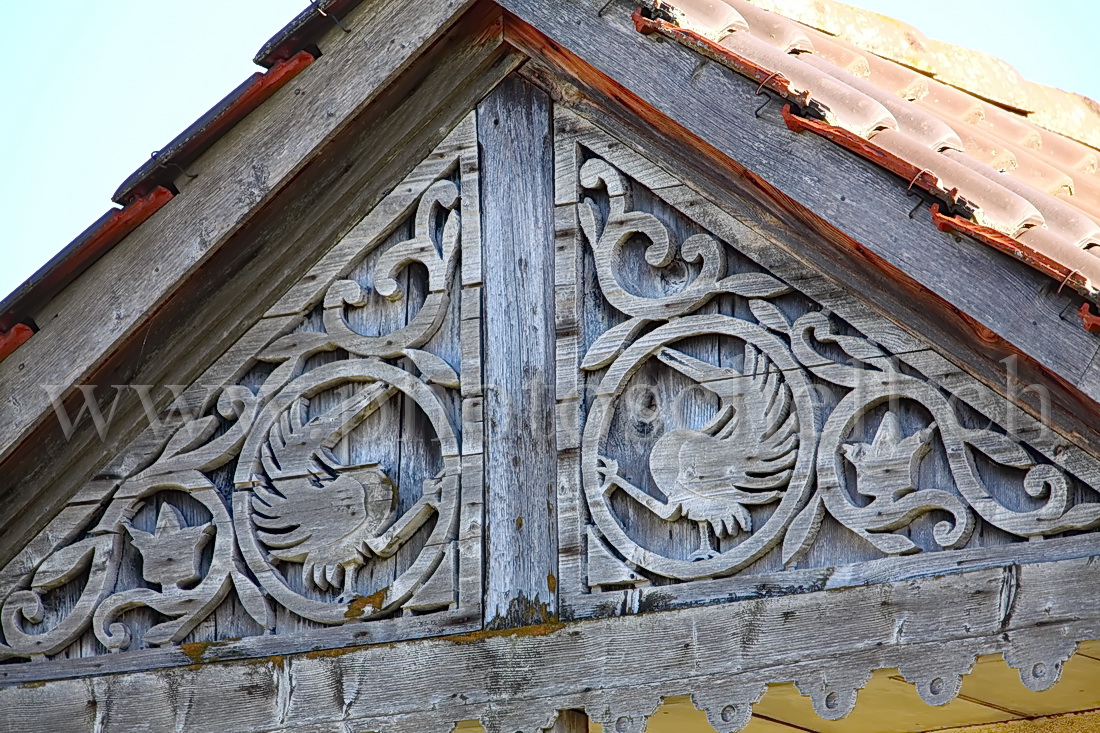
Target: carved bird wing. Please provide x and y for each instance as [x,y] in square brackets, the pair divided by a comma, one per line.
[763,433]
[755,428]
[743,456]
[304,510]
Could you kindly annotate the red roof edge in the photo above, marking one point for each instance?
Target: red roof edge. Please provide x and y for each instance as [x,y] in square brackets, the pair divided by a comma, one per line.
[171,161]
[1008,245]
[304,31]
[145,192]
[81,254]
[12,339]
[1089,320]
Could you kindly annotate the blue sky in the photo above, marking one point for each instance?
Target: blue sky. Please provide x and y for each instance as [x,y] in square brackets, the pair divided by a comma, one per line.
[90,89]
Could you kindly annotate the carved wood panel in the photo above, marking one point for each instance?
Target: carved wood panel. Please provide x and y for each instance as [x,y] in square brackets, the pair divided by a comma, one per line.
[328,488]
[731,425]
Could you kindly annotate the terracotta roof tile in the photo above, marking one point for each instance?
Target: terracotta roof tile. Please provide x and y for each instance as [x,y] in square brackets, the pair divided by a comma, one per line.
[713,19]
[847,107]
[1070,154]
[873,32]
[1070,114]
[997,207]
[1058,216]
[960,124]
[775,30]
[991,151]
[1086,196]
[902,81]
[912,120]
[1085,262]
[977,73]
[1034,171]
[842,55]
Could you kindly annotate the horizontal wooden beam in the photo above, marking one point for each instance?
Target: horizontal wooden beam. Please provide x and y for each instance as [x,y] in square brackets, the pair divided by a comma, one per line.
[616,669]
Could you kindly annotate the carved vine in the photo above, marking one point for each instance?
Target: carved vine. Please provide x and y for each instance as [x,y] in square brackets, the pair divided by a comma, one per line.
[301,522]
[772,441]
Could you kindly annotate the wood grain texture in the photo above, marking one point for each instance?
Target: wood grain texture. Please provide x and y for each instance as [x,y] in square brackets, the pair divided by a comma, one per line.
[514,125]
[722,655]
[315,209]
[819,196]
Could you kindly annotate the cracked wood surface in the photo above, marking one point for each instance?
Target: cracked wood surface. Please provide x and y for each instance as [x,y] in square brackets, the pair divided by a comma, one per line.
[515,681]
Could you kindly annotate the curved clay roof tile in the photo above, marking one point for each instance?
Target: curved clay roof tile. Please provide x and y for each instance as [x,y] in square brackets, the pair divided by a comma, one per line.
[912,120]
[775,30]
[847,108]
[997,207]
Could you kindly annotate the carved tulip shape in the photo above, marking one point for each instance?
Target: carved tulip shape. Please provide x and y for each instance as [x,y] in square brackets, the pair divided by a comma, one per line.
[172,555]
[886,468]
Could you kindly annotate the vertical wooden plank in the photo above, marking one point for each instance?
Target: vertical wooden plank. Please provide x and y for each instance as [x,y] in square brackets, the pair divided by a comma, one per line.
[518,239]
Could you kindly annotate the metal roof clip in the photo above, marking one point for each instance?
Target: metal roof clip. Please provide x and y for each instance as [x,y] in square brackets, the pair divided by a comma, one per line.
[324,14]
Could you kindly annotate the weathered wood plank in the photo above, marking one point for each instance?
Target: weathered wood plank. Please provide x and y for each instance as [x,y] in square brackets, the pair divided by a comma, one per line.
[283,240]
[806,190]
[518,235]
[619,667]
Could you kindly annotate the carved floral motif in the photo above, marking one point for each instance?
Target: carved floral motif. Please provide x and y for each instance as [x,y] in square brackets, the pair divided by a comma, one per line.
[260,497]
[775,440]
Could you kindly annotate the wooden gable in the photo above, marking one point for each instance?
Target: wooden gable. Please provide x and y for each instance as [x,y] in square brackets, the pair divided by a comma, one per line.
[506,391]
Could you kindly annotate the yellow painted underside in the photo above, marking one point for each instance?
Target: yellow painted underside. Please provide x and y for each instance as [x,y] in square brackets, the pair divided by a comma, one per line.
[993,700]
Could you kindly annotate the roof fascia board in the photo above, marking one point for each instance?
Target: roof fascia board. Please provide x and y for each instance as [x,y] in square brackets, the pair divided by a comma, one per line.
[817,201]
[94,316]
[244,278]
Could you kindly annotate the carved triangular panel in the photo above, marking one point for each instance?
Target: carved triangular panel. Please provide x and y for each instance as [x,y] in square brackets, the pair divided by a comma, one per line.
[732,425]
[326,489]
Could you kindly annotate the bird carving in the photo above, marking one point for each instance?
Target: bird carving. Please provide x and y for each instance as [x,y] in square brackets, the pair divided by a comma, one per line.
[310,509]
[744,456]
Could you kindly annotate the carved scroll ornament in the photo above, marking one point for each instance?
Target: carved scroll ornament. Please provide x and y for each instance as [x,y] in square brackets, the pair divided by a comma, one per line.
[806,423]
[263,496]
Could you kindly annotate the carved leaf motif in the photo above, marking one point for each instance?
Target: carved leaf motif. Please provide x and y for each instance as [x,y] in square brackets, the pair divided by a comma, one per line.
[191,435]
[294,345]
[1000,448]
[817,326]
[253,600]
[769,315]
[63,565]
[752,285]
[803,531]
[612,342]
[434,369]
